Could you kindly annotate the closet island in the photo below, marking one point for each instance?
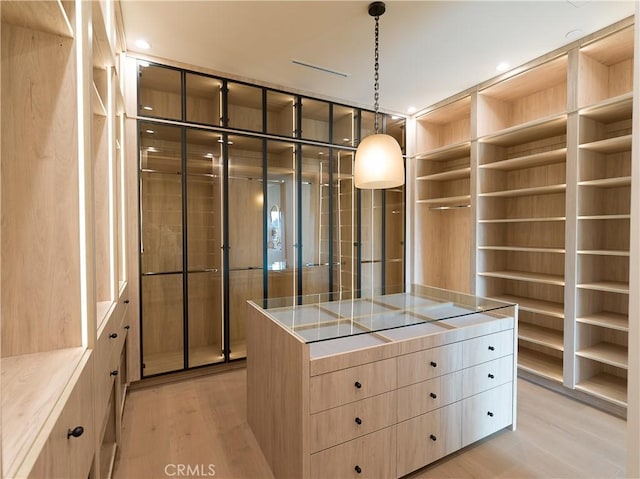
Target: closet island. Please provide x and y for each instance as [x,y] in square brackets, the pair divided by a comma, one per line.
[377,386]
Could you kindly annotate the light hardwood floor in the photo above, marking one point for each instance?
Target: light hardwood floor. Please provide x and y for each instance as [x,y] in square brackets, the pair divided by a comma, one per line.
[202,421]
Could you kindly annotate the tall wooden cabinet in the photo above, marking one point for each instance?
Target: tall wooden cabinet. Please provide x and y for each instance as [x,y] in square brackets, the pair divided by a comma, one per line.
[64,300]
[547,150]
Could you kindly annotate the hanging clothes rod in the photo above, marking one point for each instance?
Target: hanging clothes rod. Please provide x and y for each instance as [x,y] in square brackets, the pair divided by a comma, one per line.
[453,207]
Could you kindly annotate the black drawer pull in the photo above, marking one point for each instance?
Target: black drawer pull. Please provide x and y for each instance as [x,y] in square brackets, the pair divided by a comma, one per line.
[126,301]
[113,335]
[357,384]
[114,372]
[358,421]
[433,364]
[491,348]
[433,395]
[358,469]
[491,376]
[127,327]
[489,413]
[433,438]
[75,432]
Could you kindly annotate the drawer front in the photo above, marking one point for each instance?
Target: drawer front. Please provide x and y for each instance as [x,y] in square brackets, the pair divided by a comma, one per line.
[429,437]
[356,419]
[485,348]
[486,413]
[69,456]
[487,375]
[430,363]
[371,456]
[351,384]
[428,395]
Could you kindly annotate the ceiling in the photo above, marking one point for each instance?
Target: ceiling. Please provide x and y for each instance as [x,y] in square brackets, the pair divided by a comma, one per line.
[429,50]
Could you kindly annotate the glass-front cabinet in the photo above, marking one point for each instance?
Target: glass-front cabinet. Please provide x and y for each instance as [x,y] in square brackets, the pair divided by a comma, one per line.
[247,193]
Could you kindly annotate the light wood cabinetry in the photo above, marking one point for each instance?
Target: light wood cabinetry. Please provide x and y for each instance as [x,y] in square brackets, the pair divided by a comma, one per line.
[64,283]
[381,404]
[550,168]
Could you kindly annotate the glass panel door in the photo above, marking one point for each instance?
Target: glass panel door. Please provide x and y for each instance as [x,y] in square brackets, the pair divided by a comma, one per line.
[161,248]
[345,226]
[371,252]
[204,253]
[245,235]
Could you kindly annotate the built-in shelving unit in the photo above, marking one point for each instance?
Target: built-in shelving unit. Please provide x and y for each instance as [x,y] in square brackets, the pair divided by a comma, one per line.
[549,158]
[443,194]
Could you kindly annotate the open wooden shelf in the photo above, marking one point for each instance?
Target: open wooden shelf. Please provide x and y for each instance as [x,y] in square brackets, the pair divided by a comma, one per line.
[607,353]
[447,175]
[97,102]
[446,153]
[447,200]
[608,182]
[548,337]
[604,252]
[610,145]
[604,217]
[527,132]
[529,161]
[523,249]
[47,16]
[609,286]
[606,319]
[536,190]
[526,276]
[611,109]
[540,364]
[606,386]
[523,220]
[533,305]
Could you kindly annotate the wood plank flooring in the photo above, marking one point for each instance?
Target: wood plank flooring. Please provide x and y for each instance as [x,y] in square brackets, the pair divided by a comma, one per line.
[201,422]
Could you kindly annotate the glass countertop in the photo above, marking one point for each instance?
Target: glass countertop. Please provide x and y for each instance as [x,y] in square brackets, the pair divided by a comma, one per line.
[322,317]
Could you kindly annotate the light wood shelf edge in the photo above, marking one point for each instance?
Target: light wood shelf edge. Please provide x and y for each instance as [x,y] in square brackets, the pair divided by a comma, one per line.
[606,386]
[538,335]
[607,353]
[45,16]
[605,319]
[540,364]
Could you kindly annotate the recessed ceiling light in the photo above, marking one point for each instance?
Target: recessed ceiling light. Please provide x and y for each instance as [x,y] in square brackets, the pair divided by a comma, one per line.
[502,66]
[411,109]
[148,108]
[140,43]
[143,63]
[151,132]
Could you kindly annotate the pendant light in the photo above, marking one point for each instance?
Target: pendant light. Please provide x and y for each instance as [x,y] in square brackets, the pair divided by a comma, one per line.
[378,163]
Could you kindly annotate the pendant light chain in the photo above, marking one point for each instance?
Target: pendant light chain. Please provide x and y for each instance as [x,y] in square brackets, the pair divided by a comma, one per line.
[376,76]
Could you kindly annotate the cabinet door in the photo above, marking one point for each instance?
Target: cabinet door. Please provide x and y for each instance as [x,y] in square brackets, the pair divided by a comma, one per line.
[487,375]
[430,363]
[352,384]
[340,424]
[485,348]
[429,437]
[428,395]
[486,413]
[65,455]
[371,456]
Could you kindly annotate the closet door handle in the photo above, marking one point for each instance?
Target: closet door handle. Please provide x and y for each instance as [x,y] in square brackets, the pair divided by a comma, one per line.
[358,469]
[489,413]
[491,348]
[75,432]
[433,364]
[114,372]
[358,421]
[127,327]
[126,301]
[433,395]
[491,376]
[113,335]
[433,438]
[357,384]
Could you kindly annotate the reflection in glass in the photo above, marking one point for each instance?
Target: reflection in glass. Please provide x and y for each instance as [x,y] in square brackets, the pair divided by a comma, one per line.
[245,234]
[344,125]
[345,224]
[204,241]
[204,99]
[245,107]
[371,249]
[394,240]
[160,92]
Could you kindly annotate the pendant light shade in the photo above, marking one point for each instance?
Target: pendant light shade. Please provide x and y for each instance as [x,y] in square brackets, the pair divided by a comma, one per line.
[378,163]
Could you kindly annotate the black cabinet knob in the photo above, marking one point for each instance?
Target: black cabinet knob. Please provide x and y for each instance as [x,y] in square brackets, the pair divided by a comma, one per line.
[358,421]
[489,413]
[491,376]
[127,327]
[113,335]
[114,372]
[126,301]
[357,384]
[433,438]
[491,348]
[75,432]
[433,395]
[433,364]
[358,469]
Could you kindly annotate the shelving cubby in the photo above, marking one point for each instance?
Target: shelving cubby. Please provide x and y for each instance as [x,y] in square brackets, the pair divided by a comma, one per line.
[443,194]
